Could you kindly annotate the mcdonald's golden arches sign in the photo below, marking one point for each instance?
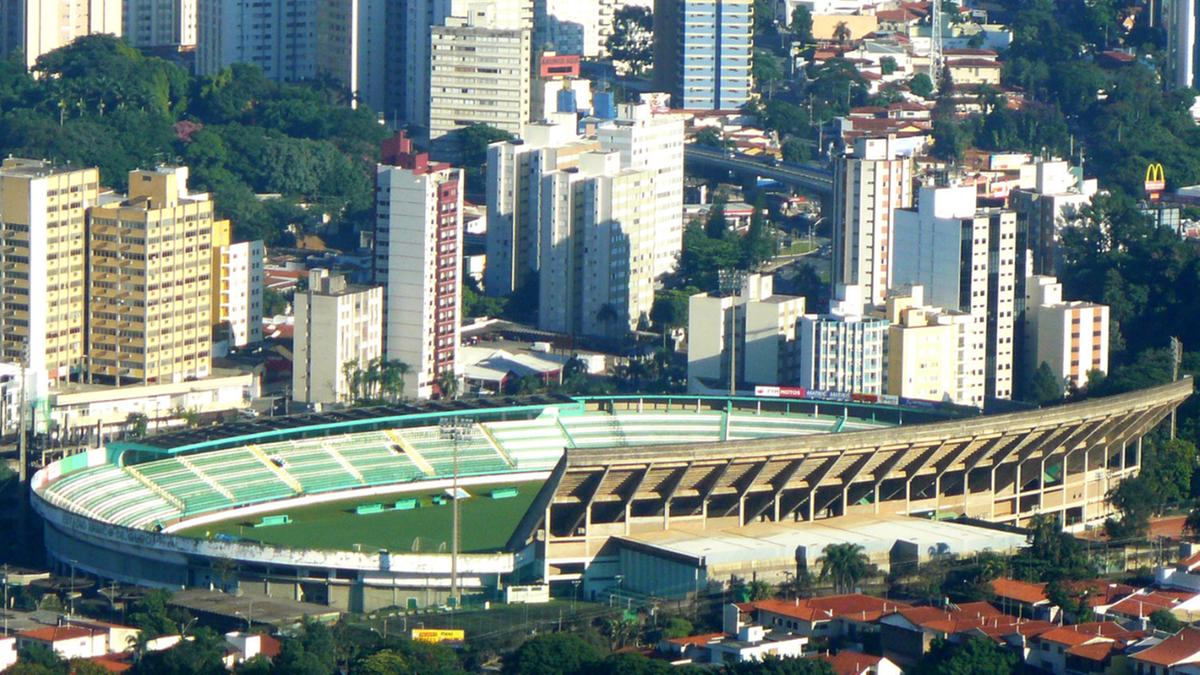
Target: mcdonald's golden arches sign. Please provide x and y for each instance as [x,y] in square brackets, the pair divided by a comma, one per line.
[1155,179]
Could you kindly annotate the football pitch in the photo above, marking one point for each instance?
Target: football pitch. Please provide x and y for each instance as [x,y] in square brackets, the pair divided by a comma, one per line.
[485,523]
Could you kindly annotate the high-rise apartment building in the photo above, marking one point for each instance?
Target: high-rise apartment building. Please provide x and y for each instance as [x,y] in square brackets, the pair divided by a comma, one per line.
[1179,19]
[596,247]
[843,350]
[966,260]
[149,315]
[753,331]
[338,328]
[1070,337]
[653,142]
[478,75]
[418,261]
[152,24]
[580,27]
[36,27]
[278,36]
[544,203]
[43,264]
[237,298]
[514,179]
[703,51]
[929,352]
[869,186]
[1050,196]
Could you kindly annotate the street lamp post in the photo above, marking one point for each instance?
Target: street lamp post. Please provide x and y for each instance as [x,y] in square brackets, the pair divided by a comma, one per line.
[730,282]
[455,429]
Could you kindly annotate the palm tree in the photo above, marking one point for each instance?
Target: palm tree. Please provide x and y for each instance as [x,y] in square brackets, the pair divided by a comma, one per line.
[841,33]
[447,383]
[607,314]
[846,564]
[352,375]
[402,370]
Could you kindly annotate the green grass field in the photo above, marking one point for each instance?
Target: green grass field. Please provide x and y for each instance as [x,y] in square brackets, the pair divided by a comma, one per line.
[486,523]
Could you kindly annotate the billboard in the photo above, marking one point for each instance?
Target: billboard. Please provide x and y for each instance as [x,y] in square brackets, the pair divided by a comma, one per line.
[439,635]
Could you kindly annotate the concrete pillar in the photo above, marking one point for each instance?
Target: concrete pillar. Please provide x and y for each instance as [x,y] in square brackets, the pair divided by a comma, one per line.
[666,515]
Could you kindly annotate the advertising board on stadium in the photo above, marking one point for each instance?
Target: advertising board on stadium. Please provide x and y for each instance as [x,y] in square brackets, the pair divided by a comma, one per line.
[439,635]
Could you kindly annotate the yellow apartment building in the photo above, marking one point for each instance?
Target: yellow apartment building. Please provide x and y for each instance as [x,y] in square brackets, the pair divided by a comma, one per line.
[151,282]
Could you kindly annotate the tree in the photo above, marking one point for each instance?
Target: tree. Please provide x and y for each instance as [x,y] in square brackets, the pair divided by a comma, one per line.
[977,656]
[552,654]
[802,24]
[842,33]
[201,655]
[921,85]
[767,71]
[1051,554]
[670,309]
[1164,620]
[795,150]
[1045,387]
[845,564]
[711,138]
[1191,525]
[632,39]
[887,65]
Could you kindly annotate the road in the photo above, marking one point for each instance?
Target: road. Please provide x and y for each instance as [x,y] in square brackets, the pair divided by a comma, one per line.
[811,177]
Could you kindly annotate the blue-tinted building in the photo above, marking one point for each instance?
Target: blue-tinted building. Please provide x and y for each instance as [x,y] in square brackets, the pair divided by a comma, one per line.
[703,51]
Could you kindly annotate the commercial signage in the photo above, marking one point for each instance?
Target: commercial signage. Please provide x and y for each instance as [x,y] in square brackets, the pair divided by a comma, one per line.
[439,635]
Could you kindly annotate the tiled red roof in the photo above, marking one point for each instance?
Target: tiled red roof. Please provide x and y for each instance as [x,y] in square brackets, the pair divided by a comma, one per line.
[854,606]
[269,646]
[1021,591]
[55,633]
[696,640]
[1096,651]
[970,51]
[1183,647]
[1144,604]
[1067,635]
[847,662]
[1189,562]
[111,663]
[967,616]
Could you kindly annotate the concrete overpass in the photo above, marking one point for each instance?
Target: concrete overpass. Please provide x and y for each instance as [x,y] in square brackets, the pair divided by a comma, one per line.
[811,176]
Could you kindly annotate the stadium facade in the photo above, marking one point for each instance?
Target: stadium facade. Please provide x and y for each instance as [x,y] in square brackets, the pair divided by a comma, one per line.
[211,508]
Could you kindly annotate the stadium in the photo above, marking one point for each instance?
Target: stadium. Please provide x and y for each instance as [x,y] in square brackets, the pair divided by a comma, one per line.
[351,508]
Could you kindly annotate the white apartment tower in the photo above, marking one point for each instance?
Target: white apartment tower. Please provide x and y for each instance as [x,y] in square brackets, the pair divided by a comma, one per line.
[39,26]
[1050,197]
[242,291]
[596,251]
[869,186]
[338,327]
[278,36]
[151,24]
[479,74]
[966,260]
[514,180]
[753,331]
[842,351]
[653,142]
[418,244]
[1071,337]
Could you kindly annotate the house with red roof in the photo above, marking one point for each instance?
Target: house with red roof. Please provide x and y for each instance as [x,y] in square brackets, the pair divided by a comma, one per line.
[849,662]
[1183,575]
[69,642]
[1143,602]
[740,641]
[830,616]
[1024,599]
[906,635]
[1086,647]
[1179,653]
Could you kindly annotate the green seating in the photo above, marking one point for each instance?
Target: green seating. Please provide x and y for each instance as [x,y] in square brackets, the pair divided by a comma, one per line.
[363,509]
